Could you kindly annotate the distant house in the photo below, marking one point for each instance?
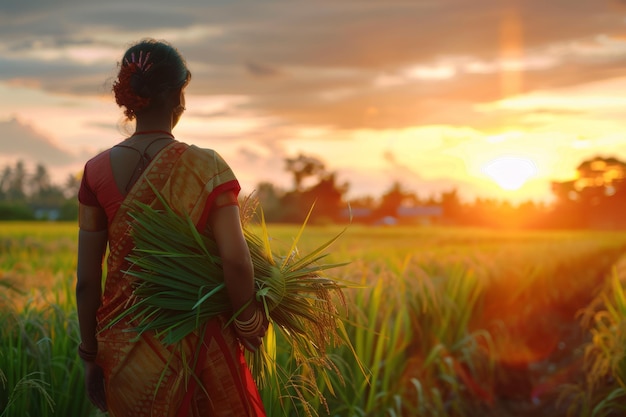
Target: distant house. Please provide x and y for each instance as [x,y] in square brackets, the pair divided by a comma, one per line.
[42,213]
[387,221]
[424,215]
[356,212]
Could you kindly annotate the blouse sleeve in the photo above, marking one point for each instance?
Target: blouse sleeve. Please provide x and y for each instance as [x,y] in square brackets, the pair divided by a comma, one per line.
[226,198]
[86,195]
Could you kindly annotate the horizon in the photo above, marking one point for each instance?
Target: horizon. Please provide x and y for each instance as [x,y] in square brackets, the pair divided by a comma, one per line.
[380,93]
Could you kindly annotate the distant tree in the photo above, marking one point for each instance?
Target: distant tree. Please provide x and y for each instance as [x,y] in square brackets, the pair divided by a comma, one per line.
[532,215]
[594,178]
[392,199]
[364,202]
[5,182]
[324,191]
[302,167]
[17,181]
[600,172]
[40,182]
[452,207]
[72,184]
[25,195]
[69,210]
[15,211]
[42,193]
[269,198]
[595,198]
[328,197]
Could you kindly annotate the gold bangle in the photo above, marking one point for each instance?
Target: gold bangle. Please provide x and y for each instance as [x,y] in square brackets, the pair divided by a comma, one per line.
[252,325]
[252,319]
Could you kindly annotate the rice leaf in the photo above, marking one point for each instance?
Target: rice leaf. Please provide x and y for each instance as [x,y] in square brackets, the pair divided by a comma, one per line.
[297,238]
[179,286]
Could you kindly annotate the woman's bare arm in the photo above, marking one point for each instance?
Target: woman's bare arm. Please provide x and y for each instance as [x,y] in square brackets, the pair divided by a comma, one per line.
[92,242]
[233,250]
[225,225]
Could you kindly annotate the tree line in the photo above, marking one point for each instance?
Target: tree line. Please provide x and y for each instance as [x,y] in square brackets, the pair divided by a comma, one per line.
[595,199]
[32,195]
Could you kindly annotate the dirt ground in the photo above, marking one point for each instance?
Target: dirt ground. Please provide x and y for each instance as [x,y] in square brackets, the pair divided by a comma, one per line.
[535,390]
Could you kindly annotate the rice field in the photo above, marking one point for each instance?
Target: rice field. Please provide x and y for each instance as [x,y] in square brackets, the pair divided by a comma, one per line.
[446,322]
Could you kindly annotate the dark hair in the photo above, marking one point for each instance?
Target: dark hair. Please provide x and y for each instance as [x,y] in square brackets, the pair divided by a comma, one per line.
[148,71]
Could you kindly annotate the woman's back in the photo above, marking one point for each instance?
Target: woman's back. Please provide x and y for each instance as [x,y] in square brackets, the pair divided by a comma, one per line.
[136,374]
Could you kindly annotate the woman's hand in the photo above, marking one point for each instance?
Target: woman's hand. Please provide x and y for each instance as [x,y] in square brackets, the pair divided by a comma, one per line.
[94,384]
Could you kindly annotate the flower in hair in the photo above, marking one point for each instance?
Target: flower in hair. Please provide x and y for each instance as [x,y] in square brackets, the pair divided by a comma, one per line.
[125,93]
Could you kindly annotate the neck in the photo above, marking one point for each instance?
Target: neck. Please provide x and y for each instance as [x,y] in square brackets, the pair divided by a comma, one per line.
[156,119]
[148,127]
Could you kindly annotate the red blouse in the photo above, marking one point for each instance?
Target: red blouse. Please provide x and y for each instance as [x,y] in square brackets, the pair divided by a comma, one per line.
[98,187]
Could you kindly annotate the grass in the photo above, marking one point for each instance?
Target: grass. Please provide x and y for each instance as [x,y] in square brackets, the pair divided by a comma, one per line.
[41,375]
[451,322]
[601,392]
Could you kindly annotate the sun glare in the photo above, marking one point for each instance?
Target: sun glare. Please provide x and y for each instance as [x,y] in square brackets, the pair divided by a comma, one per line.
[510,172]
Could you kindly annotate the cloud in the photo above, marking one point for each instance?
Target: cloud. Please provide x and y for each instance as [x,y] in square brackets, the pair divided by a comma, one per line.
[23,142]
[261,70]
[348,63]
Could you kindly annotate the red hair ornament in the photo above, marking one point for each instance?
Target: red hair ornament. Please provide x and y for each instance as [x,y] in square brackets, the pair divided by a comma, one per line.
[124,93]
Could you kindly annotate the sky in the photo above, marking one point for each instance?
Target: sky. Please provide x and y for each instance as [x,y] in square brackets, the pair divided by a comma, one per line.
[493,98]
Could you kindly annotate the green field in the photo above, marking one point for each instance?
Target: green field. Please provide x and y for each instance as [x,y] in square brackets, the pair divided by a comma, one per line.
[448,322]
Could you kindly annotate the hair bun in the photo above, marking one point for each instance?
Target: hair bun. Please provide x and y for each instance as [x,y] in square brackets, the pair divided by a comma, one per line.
[148,71]
[130,90]
[139,84]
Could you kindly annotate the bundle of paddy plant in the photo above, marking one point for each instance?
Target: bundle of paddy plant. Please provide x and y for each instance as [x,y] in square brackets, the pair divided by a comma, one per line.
[179,285]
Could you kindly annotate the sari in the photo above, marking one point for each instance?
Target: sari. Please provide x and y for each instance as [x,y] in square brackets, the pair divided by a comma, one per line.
[143,377]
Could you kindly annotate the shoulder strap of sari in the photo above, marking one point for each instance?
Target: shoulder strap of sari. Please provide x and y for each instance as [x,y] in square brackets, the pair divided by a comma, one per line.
[157,174]
[187,177]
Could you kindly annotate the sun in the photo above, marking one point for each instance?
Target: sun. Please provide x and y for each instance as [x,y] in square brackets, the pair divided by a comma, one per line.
[510,172]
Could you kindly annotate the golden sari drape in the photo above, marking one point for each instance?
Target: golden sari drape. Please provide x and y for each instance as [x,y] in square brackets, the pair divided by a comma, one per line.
[144,378]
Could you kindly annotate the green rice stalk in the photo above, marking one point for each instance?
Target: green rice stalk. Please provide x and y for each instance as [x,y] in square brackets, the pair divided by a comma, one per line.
[179,285]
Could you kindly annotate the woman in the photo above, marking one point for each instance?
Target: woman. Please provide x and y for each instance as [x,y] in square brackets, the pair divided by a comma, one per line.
[130,376]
